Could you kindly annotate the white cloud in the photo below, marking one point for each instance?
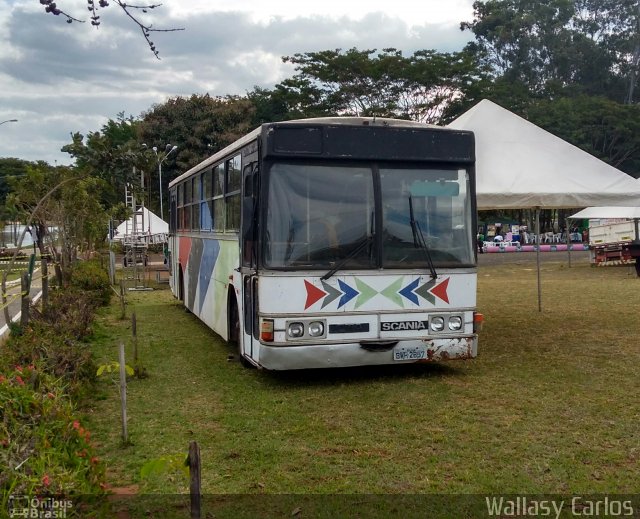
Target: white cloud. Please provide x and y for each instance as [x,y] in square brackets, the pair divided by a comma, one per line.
[58,78]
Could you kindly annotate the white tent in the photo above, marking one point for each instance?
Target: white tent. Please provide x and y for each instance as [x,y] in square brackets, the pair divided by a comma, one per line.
[593,213]
[520,165]
[151,229]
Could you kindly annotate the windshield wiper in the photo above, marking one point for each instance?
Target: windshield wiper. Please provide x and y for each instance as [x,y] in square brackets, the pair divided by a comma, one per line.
[364,241]
[419,240]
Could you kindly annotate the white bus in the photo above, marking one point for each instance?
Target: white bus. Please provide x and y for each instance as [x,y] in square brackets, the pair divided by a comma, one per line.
[332,242]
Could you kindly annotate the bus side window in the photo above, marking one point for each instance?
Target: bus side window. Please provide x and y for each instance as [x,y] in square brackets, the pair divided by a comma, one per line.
[249,205]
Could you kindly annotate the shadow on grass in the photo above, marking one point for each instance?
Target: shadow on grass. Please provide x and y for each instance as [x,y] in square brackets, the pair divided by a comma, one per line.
[365,374]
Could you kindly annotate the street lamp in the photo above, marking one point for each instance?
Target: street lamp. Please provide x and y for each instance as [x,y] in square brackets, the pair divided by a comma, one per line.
[160,159]
[9,121]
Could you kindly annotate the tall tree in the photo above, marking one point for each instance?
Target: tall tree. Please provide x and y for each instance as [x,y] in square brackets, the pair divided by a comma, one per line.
[559,46]
[113,154]
[370,83]
[604,128]
[64,199]
[9,168]
[199,125]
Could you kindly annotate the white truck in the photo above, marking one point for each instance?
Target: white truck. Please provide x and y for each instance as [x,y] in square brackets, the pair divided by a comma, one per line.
[614,241]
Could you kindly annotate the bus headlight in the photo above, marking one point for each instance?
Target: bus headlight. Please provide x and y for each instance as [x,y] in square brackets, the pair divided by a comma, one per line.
[295,330]
[436,324]
[455,323]
[316,329]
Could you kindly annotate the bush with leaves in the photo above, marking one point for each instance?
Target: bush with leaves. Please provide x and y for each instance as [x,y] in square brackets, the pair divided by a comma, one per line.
[70,313]
[59,355]
[93,278]
[43,446]
[44,368]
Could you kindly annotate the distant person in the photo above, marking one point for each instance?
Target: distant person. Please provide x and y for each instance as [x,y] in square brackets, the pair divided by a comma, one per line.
[480,242]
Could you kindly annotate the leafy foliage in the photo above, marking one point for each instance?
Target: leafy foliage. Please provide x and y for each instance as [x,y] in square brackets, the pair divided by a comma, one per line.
[604,128]
[54,339]
[199,124]
[43,371]
[61,197]
[367,83]
[41,441]
[583,46]
[113,155]
[90,277]
[61,355]
[10,168]
[112,367]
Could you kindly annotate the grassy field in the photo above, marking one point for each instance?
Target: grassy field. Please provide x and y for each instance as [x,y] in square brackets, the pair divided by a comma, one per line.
[548,407]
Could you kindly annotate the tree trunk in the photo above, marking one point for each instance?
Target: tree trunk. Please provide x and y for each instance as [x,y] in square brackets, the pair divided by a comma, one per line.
[633,75]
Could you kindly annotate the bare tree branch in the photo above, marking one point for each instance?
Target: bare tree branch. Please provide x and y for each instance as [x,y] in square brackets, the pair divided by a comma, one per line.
[129,9]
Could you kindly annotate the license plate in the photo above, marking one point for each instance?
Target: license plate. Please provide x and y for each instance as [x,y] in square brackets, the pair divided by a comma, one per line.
[410,352]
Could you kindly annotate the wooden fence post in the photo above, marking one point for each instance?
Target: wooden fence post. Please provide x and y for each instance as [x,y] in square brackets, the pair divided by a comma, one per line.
[134,333]
[112,267]
[44,269]
[58,269]
[124,313]
[26,300]
[194,477]
[123,394]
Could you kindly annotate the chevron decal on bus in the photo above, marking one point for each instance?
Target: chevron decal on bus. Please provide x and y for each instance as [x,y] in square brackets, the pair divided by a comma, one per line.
[396,292]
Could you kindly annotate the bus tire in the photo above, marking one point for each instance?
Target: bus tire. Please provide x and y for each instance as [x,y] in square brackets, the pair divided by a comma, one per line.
[180,284]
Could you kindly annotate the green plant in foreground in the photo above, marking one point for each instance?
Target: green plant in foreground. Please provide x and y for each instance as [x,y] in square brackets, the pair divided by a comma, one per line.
[56,352]
[43,446]
[90,276]
[114,367]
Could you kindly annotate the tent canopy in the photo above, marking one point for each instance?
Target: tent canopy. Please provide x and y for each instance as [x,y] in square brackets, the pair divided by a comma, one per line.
[519,165]
[607,212]
[152,227]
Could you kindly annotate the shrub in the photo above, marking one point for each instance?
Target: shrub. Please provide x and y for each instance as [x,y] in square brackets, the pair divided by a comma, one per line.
[58,355]
[70,312]
[46,447]
[54,339]
[91,277]
[41,440]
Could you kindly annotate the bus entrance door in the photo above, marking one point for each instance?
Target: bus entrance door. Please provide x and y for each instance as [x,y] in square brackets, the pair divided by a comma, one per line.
[250,310]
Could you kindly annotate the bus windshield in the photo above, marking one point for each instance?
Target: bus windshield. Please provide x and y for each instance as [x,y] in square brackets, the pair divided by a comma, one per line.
[322,215]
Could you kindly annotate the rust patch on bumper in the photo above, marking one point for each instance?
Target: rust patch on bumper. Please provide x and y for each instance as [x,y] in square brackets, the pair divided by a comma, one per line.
[448,349]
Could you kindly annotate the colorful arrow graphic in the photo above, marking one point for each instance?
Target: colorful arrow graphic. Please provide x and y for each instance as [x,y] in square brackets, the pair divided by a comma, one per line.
[395,292]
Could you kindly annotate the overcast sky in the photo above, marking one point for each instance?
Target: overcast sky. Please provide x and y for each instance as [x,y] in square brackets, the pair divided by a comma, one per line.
[58,78]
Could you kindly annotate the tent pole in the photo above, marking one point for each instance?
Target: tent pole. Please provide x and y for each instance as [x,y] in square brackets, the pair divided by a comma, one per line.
[538,258]
[566,226]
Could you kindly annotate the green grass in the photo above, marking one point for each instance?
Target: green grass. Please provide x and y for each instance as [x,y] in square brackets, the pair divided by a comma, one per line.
[547,407]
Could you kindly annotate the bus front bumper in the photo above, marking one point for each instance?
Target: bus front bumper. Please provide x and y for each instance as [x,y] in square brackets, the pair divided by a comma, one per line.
[357,354]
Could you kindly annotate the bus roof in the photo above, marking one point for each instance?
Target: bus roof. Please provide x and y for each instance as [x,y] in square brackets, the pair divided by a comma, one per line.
[328,121]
